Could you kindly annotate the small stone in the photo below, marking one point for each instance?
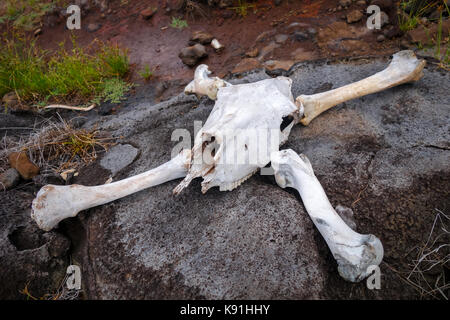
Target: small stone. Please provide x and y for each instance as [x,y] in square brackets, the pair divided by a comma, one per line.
[361,2]
[247,64]
[281,38]
[201,37]
[354,16]
[20,162]
[10,99]
[277,65]
[9,178]
[277,2]
[119,157]
[381,38]
[148,13]
[191,55]
[252,53]
[92,27]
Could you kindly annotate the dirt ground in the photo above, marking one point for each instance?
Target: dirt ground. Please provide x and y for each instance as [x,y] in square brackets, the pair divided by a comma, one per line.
[154,43]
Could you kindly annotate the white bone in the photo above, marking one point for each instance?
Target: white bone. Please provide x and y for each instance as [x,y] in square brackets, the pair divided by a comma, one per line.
[404,67]
[216,45]
[61,106]
[55,203]
[353,252]
[202,85]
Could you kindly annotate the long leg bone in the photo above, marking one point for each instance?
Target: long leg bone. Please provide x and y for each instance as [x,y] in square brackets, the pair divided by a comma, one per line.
[404,67]
[55,203]
[353,252]
[203,85]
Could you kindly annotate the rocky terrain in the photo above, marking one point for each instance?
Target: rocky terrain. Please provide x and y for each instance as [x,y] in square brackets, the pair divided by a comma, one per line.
[385,157]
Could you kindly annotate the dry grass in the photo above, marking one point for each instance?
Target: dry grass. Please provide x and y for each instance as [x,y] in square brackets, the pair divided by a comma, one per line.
[427,268]
[58,146]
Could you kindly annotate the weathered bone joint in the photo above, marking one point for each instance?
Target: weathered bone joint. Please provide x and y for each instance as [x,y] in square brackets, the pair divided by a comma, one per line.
[353,252]
[203,85]
[404,67]
[56,203]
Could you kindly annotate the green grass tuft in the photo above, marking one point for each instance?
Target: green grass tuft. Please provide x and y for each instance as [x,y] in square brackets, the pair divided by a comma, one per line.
[78,74]
[146,73]
[178,23]
[26,14]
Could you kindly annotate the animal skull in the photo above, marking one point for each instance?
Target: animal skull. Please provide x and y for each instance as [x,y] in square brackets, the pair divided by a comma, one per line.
[353,252]
[242,123]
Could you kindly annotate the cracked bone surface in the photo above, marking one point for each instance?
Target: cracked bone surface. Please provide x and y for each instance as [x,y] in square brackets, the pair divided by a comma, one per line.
[353,252]
[203,85]
[404,68]
[55,203]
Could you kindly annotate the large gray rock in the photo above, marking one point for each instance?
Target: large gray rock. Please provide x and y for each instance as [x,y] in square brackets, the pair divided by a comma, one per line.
[385,156]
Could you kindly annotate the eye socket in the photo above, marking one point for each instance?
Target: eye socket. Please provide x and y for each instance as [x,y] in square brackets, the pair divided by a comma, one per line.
[286,122]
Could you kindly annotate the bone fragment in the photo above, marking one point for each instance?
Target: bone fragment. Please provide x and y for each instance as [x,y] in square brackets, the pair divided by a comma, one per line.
[61,106]
[353,252]
[203,85]
[404,67]
[55,203]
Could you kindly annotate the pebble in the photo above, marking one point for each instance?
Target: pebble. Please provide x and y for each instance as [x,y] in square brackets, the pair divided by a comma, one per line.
[9,178]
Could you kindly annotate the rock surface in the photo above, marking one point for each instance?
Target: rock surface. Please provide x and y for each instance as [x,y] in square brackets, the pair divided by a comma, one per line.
[119,157]
[9,178]
[354,16]
[386,156]
[191,55]
[202,37]
[28,256]
[371,155]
